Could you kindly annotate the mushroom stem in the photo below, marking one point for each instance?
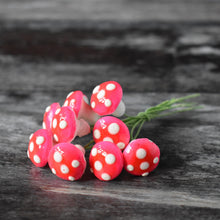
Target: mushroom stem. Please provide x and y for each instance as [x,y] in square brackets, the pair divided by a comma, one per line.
[82,127]
[120,110]
[88,114]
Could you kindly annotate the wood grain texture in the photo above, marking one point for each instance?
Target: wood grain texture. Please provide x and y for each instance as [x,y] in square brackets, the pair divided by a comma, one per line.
[155,52]
[117,10]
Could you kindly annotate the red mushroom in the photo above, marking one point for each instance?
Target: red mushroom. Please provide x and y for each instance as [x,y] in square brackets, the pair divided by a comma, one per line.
[141,156]
[107,99]
[106,160]
[39,146]
[67,161]
[65,125]
[49,114]
[79,103]
[111,129]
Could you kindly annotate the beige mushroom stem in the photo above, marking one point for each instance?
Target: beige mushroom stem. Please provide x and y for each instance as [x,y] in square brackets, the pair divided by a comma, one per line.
[120,110]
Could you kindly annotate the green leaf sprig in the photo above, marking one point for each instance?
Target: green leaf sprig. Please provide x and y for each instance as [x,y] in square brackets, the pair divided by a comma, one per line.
[165,108]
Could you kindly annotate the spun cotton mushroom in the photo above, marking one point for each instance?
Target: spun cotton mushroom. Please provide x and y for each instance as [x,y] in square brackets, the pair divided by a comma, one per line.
[79,103]
[49,114]
[141,156]
[106,160]
[106,99]
[39,146]
[65,125]
[111,129]
[67,161]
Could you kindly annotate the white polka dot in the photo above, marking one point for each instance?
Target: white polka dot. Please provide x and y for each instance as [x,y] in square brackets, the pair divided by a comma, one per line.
[66,103]
[37,159]
[144,165]
[94,152]
[64,169]
[69,94]
[141,153]
[121,145]
[98,165]
[56,138]
[44,125]
[62,124]
[31,146]
[93,104]
[57,157]
[57,111]
[85,98]
[110,159]
[108,103]
[101,94]
[72,103]
[97,134]
[28,154]
[40,140]
[110,86]
[113,128]
[108,139]
[31,136]
[53,171]
[96,89]
[71,178]
[54,123]
[130,167]
[145,174]
[75,163]
[156,159]
[47,109]
[106,176]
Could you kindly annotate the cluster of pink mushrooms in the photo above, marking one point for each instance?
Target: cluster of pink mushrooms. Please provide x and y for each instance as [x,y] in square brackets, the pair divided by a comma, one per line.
[111,152]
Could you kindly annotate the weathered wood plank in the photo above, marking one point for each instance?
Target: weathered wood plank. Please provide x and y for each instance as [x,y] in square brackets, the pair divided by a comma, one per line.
[187,177]
[162,56]
[118,10]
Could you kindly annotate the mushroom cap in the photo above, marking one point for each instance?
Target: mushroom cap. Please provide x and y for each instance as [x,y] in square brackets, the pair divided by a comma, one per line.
[141,156]
[64,125]
[74,100]
[106,160]
[109,128]
[49,114]
[67,161]
[39,146]
[106,97]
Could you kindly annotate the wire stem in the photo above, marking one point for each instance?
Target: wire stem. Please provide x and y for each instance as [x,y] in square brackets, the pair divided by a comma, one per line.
[165,108]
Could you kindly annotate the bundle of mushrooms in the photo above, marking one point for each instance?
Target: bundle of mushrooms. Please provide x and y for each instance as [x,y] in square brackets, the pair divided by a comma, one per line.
[112,149]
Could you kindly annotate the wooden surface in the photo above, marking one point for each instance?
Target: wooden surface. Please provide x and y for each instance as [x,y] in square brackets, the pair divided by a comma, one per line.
[156,50]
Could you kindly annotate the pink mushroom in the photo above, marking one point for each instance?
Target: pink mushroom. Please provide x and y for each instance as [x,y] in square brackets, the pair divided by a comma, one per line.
[49,114]
[107,99]
[65,125]
[141,156]
[111,129]
[67,161]
[79,103]
[39,146]
[106,160]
